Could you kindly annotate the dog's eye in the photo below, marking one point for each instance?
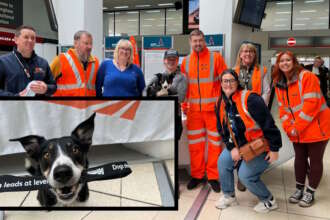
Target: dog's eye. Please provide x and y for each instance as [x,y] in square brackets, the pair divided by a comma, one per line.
[46,156]
[75,150]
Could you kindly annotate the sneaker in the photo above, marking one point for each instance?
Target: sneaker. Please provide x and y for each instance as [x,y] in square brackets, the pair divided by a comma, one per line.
[240,186]
[215,185]
[307,200]
[193,183]
[226,201]
[265,207]
[296,196]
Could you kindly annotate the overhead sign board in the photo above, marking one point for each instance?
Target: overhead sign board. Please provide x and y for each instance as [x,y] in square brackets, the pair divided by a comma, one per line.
[11,13]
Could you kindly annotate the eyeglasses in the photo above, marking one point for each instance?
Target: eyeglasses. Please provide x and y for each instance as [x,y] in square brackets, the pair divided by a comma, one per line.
[125,48]
[228,81]
[247,51]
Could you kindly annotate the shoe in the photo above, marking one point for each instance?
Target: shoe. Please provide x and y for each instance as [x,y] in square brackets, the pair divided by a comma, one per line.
[193,183]
[215,185]
[307,200]
[265,207]
[240,186]
[296,196]
[226,201]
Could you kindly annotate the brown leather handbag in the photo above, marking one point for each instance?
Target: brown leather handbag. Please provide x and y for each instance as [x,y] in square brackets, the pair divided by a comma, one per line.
[252,149]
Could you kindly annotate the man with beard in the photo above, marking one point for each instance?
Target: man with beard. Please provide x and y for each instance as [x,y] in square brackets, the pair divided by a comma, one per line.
[75,71]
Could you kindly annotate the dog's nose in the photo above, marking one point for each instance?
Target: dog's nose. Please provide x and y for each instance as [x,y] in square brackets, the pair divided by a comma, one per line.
[63,173]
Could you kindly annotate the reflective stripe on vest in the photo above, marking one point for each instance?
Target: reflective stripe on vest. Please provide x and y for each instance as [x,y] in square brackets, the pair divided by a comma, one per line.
[75,70]
[213,133]
[194,132]
[312,95]
[305,117]
[262,78]
[216,143]
[203,100]
[256,126]
[196,141]
[202,80]
[284,118]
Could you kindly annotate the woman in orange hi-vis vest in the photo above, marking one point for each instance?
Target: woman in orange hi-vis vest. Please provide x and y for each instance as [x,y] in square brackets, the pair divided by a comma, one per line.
[202,69]
[306,120]
[251,75]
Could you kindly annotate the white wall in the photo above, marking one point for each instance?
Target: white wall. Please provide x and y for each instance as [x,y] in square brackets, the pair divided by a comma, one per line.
[75,15]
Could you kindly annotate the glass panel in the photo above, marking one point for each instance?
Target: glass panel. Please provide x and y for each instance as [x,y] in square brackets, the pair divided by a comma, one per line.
[127,23]
[108,24]
[278,16]
[173,21]
[310,14]
[152,22]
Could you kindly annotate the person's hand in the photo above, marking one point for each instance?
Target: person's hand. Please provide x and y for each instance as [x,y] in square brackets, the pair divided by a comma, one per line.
[271,156]
[162,92]
[235,155]
[23,92]
[38,87]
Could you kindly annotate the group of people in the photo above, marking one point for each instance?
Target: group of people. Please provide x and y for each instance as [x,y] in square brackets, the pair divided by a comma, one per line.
[225,108]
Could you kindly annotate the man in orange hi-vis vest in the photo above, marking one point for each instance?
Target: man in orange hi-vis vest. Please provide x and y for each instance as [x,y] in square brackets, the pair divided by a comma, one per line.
[136,59]
[75,71]
[203,69]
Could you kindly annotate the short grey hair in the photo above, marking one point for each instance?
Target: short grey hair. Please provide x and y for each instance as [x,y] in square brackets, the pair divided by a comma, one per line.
[78,34]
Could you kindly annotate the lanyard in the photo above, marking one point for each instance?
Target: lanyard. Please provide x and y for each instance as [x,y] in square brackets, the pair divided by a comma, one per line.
[23,67]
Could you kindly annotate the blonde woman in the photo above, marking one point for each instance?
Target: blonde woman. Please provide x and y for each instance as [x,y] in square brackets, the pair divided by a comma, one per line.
[251,76]
[120,77]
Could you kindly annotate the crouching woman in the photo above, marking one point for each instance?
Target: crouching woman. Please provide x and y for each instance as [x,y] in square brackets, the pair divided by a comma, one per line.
[242,117]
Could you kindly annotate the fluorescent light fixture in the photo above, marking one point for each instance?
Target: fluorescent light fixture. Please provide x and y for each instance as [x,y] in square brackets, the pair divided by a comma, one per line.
[153,11]
[110,13]
[313,1]
[160,25]
[147,25]
[121,7]
[142,6]
[169,18]
[166,4]
[132,20]
[320,24]
[172,10]
[307,11]
[299,24]
[149,19]
[325,18]
[302,19]
[283,3]
[105,8]
[132,12]
[282,12]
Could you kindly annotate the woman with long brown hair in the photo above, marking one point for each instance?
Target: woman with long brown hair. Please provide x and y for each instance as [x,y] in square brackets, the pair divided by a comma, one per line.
[306,120]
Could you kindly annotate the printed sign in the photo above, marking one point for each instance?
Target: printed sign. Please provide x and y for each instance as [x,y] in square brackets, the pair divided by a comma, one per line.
[157,42]
[11,13]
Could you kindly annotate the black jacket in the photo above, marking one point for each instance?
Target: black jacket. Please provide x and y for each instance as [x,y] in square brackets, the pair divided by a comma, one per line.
[259,112]
[13,79]
[323,77]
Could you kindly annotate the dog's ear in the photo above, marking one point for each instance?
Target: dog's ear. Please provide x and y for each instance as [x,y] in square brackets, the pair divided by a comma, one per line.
[32,145]
[84,131]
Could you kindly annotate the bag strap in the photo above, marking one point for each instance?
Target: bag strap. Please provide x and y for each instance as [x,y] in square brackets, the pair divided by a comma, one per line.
[230,130]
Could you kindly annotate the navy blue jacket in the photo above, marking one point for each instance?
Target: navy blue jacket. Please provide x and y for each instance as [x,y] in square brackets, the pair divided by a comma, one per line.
[13,79]
[259,112]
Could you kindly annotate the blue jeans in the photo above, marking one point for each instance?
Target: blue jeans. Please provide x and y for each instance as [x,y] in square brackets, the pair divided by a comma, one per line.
[249,174]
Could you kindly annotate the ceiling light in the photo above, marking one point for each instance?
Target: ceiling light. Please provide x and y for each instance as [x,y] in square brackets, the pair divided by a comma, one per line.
[281,19]
[282,12]
[323,18]
[171,10]
[132,12]
[105,8]
[299,24]
[149,19]
[147,25]
[169,18]
[131,20]
[120,7]
[314,1]
[319,24]
[302,19]
[307,11]
[142,6]
[153,11]
[166,4]
[280,25]
[160,25]
[283,3]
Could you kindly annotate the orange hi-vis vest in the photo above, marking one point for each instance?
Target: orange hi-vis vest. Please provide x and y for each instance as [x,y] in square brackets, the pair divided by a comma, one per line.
[203,72]
[252,129]
[75,81]
[303,107]
[257,78]
[136,59]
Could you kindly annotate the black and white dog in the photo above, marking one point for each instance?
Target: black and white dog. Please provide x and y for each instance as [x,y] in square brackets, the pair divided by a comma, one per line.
[62,161]
[161,81]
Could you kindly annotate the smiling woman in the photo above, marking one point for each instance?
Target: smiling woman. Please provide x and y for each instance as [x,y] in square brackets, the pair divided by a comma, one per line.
[120,77]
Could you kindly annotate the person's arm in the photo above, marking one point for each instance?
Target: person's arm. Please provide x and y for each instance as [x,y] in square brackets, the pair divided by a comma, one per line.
[179,86]
[220,65]
[265,87]
[260,113]
[141,84]
[100,79]
[3,76]
[51,83]
[312,102]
